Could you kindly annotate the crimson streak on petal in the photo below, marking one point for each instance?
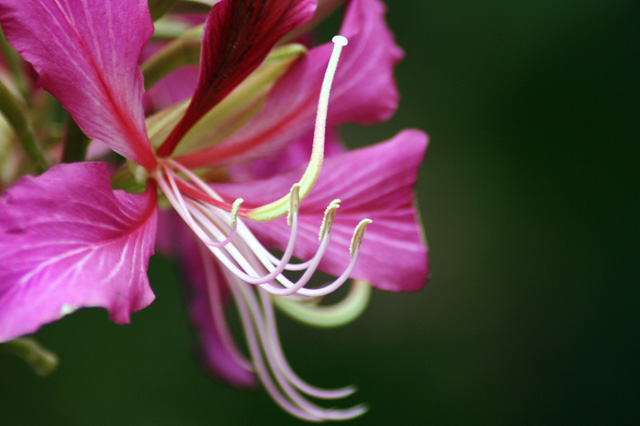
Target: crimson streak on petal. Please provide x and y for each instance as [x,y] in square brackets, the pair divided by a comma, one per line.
[363,91]
[238,36]
[86,54]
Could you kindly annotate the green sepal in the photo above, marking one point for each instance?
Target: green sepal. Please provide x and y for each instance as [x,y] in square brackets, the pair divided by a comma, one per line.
[76,142]
[14,63]
[126,181]
[168,29]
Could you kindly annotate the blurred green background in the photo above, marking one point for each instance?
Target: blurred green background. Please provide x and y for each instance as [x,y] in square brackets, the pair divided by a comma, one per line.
[530,204]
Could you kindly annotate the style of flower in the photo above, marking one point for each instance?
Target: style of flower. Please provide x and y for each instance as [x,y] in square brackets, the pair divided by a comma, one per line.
[68,240]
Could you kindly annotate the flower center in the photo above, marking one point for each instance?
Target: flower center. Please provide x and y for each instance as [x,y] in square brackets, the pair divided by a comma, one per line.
[214,221]
[217,225]
[256,277]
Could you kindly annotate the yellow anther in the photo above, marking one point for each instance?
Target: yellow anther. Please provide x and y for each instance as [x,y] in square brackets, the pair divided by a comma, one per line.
[358,234]
[140,174]
[327,220]
[234,212]
[295,202]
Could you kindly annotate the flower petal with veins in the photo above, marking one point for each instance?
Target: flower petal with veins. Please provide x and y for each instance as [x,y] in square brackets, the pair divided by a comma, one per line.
[67,241]
[238,36]
[376,183]
[86,54]
[363,91]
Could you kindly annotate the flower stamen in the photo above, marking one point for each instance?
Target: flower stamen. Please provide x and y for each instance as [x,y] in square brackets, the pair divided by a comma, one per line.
[262,339]
[187,209]
[217,230]
[280,267]
[214,290]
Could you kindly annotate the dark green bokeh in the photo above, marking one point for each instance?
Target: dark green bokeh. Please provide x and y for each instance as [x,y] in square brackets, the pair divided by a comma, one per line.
[530,205]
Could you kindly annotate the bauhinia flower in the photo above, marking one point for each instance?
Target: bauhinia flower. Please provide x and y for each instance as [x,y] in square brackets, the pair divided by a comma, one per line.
[242,162]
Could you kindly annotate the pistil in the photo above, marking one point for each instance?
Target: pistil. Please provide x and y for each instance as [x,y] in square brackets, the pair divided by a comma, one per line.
[255,276]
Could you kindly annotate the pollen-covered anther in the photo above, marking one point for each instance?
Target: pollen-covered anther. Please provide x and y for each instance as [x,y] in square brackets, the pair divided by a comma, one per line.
[324,237]
[140,174]
[295,202]
[327,220]
[358,235]
[234,212]
[298,287]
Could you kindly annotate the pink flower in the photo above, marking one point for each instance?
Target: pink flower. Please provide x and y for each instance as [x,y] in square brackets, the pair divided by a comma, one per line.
[68,240]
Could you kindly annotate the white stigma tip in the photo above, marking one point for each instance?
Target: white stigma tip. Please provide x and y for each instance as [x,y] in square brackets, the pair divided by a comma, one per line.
[341,40]
[234,212]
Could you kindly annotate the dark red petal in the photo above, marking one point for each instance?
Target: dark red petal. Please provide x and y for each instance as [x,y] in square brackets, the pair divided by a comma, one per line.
[363,91]
[238,35]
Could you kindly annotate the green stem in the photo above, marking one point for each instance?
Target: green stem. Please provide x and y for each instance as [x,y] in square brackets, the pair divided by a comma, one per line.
[14,62]
[167,29]
[13,112]
[43,361]
[75,142]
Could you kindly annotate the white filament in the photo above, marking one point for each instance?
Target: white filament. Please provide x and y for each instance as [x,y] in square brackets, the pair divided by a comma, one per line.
[254,275]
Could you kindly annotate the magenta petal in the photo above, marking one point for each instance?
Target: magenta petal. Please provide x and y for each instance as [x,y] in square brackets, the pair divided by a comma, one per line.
[238,35]
[176,239]
[363,91]
[172,88]
[376,183]
[216,358]
[290,156]
[67,241]
[367,92]
[86,54]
